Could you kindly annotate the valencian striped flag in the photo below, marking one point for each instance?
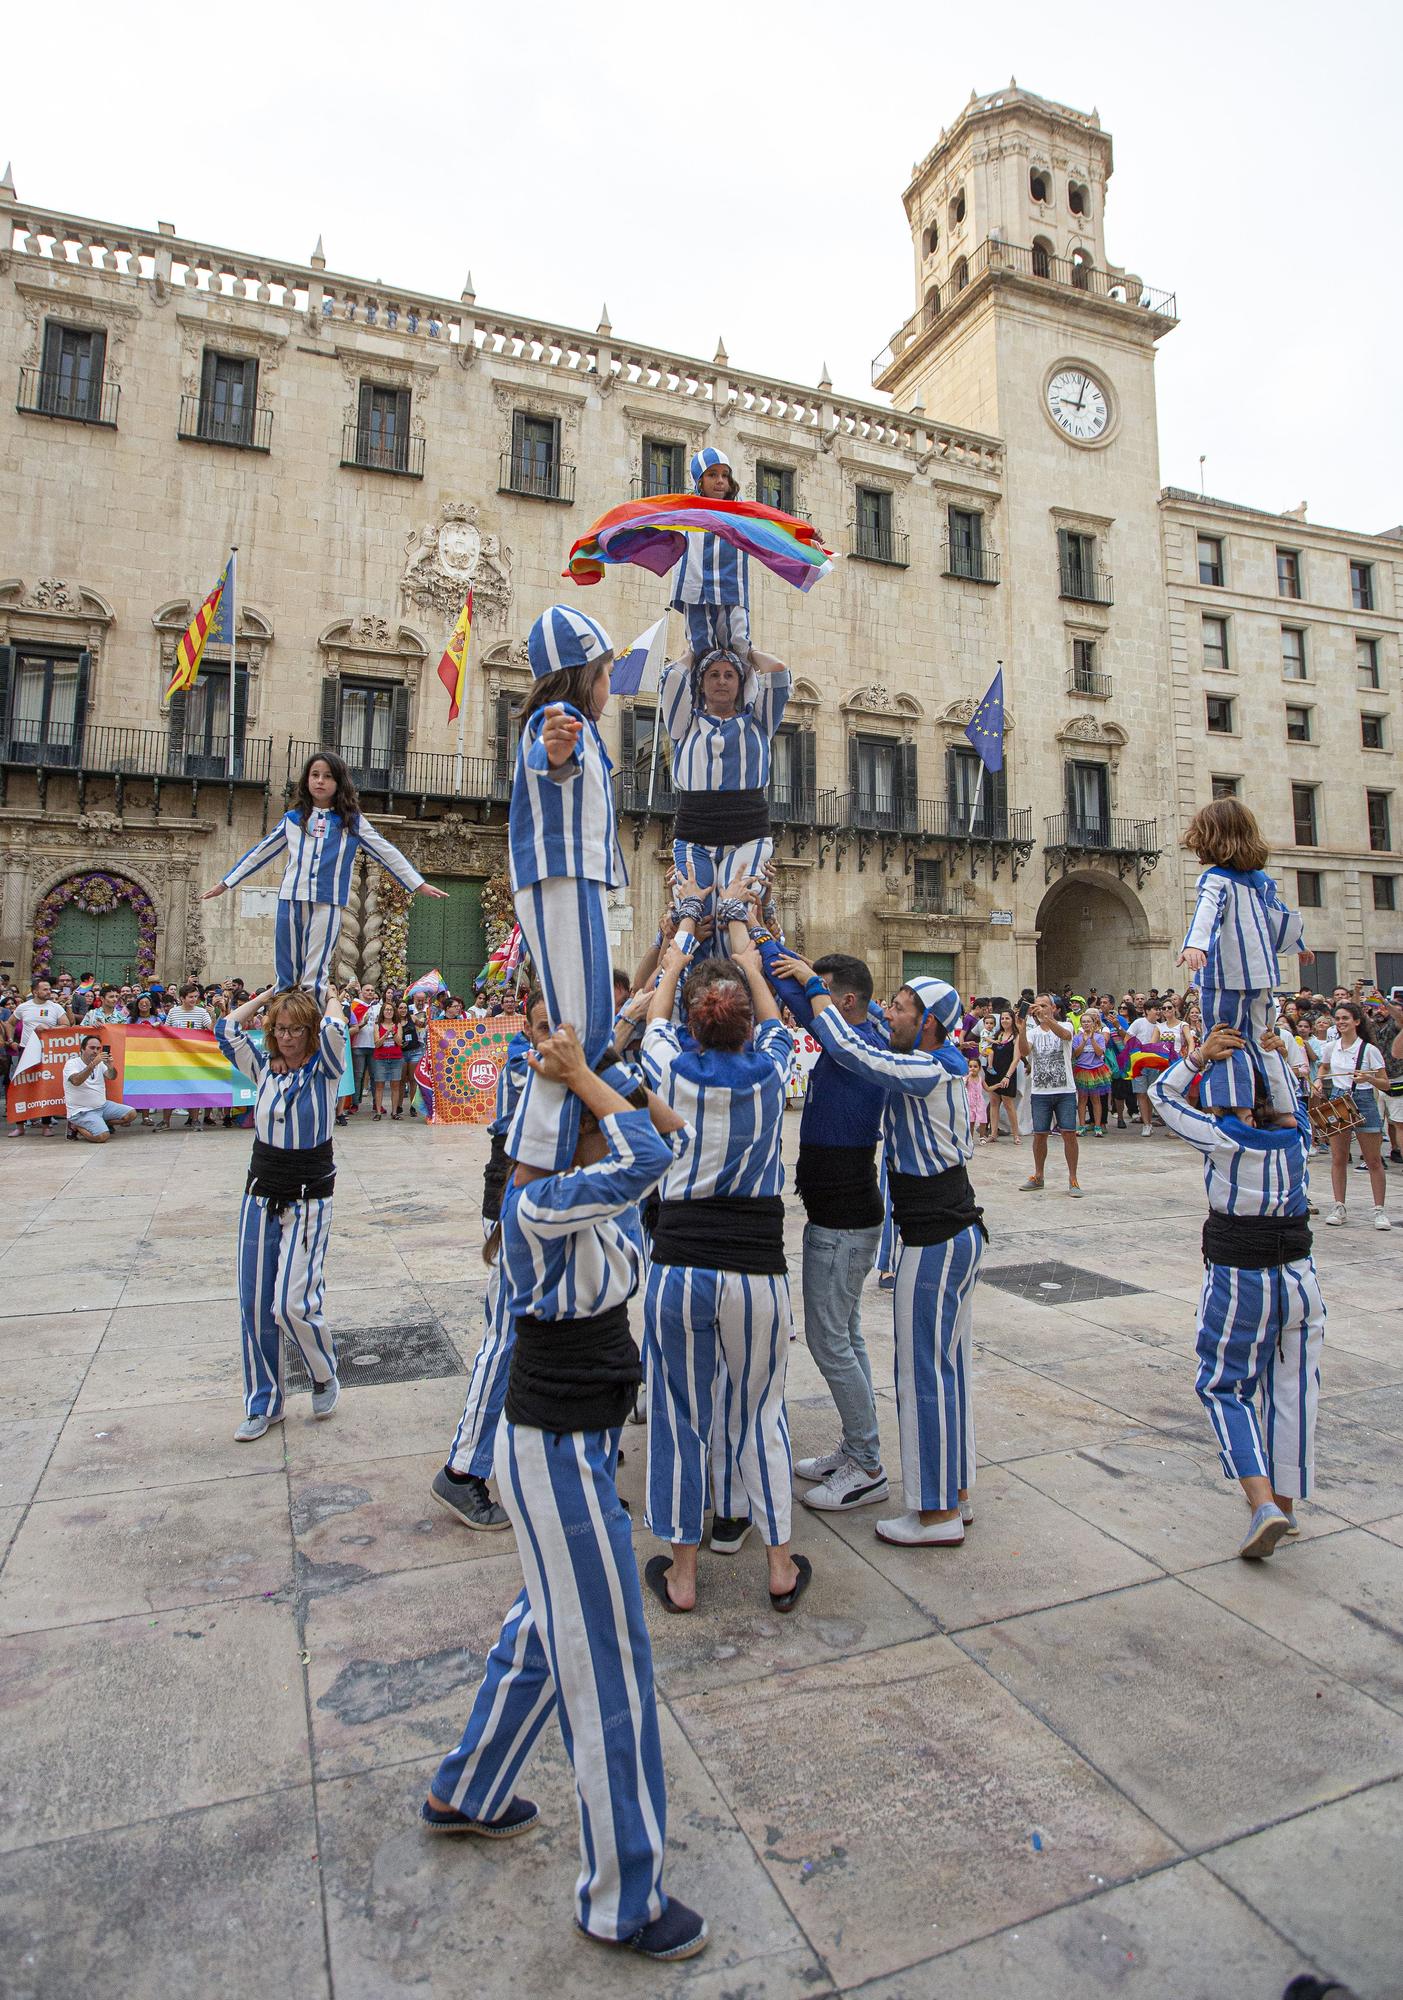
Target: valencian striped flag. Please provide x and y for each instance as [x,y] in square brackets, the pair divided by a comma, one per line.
[205,624]
[453,667]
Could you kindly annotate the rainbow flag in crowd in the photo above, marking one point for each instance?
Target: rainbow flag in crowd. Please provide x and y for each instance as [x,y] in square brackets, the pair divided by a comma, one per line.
[179,1069]
[650,534]
[1145,1061]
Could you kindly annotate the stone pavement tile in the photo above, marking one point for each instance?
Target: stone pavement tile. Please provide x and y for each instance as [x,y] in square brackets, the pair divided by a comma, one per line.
[1142,1680]
[188,1708]
[1152,1386]
[191,1365]
[1379,1406]
[176,1280]
[1018,1413]
[10,1518]
[395,1660]
[1037,1336]
[40,1385]
[1358,1470]
[1338,1600]
[1175,1935]
[111,1555]
[1329,1881]
[1392,1531]
[1345,1373]
[408,1913]
[161,1444]
[380,1420]
[1021,1553]
[1163,1496]
[922,1807]
[381,1516]
[1150,1318]
[101,1205]
[1373,1336]
[222,1901]
[216,1321]
[25,1448]
[50,1333]
[91,1286]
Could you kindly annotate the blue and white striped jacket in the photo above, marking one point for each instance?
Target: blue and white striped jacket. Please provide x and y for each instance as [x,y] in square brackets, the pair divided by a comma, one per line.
[320,857]
[1245,1170]
[711,572]
[925,1126]
[572,1244]
[511,1081]
[564,824]
[297,1109]
[734,1105]
[1242,924]
[715,755]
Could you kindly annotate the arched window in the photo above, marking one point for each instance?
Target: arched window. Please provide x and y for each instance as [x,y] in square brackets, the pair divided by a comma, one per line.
[1081,270]
[1078,198]
[1042,257]
[957,210]
[932,306]
[1038,184]
[930,240]
[961,274]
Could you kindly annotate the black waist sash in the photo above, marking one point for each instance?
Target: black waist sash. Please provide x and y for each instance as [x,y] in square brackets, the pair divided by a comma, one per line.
[573,1374]
[283,1174]
[722,819]
[931,1208]
[1255,1242]
[723,1233]
[494,1178]
[838,1186]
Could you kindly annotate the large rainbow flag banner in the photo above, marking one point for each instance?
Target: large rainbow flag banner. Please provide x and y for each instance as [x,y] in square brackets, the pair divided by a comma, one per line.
[650,533]
[179,1069]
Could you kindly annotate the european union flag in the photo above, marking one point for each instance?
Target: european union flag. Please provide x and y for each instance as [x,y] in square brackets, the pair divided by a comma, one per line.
[985,728]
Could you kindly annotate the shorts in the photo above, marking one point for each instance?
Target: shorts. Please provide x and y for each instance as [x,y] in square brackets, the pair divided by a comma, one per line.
[96,1118]
[1055,1109]
[1370,1108]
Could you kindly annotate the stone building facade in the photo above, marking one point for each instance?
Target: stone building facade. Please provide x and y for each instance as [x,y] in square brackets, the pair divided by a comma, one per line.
[372,453]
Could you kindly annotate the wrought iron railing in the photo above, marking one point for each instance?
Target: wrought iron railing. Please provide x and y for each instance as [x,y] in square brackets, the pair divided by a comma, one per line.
[205,422]
[935,819]
[118,751]
[1101,833]
[941,903]
[974,562]
[1087,681]
[1085,586]
[643,486]
[535,478]
[46,393]
[883,545]
[374,451]
[419,775]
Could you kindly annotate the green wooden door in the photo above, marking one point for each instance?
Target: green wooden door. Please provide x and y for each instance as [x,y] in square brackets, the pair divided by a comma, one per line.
[928,965]
[448,935]
[105,944]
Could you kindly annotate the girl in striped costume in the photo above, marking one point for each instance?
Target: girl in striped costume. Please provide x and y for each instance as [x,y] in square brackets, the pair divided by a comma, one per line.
[718,1295]
[321,834]
[713,579]
[1261,1319]
[285,1217]
[926,1131]
[576,1641]
[564,859]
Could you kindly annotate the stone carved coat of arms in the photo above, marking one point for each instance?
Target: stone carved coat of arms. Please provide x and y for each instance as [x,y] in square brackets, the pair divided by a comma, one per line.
[442,560]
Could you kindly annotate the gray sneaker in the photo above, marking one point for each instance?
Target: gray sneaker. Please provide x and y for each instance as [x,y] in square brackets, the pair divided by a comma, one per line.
[468,1501]
[325,1398]
[254,1427]
[1269,1526]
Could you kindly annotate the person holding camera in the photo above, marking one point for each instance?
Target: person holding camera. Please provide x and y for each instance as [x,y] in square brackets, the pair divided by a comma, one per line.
[91,1114]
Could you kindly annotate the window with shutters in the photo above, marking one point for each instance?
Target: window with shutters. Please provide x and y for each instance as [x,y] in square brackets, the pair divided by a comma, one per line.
[372,729]
[506,734]
[882,783]
[662,466]
[928,892]
[1088,804]
[774,487]
[379,440]
[69,381]
[226,409]
[645,760]
[793,773]
[205,722]
[44,697]
[976,799]
[534,466]
[1080,576]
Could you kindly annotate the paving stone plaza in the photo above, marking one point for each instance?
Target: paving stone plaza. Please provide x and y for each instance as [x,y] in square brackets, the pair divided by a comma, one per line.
[1089,1752]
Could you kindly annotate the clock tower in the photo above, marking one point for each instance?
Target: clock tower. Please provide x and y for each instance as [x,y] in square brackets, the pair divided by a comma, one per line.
[1024,329]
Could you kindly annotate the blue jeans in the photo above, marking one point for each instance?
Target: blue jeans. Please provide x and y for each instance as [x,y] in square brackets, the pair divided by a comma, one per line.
[836,1264]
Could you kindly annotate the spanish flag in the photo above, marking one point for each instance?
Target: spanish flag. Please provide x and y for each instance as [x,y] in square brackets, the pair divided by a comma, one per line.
[453,667]
[191,650]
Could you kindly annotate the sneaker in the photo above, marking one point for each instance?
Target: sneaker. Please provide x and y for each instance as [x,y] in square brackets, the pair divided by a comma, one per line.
[1146,1131]
[887,1282]
[1269,1526]
[1293,1530]
[254,1427]
[819,1468]
[908,1531]
[1335,1219]
[639,1413]
[469,1501]
[677,1933]
[728,1534]
[1360,1166]
[850,1485]
[967,1512]
[1074,1191]
[1033,1185]
[519,1817]
[1381,1221]
[325,1398]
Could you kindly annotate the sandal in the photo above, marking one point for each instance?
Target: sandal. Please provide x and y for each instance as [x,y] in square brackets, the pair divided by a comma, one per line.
[785,1600]
[655,1574]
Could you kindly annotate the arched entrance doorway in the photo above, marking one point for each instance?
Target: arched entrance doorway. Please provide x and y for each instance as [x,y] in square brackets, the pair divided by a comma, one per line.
[96,922]
[1092,935]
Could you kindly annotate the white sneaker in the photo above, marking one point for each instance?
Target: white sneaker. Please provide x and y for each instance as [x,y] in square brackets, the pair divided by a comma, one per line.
[1147,1131]
[1335,1219]
[907,1531]
[967,1512]
[849,1485]
[1381,1221]
[819,1468]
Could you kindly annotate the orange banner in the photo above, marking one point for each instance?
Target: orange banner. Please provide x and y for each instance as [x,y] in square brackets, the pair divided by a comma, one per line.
[38,1092]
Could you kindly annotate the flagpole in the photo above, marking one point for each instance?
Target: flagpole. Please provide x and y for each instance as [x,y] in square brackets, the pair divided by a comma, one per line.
[233,629]
[978,795]
[653,753]
[462,718]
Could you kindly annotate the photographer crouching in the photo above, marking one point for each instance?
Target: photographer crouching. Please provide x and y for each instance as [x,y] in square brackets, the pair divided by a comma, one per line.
[91,1115]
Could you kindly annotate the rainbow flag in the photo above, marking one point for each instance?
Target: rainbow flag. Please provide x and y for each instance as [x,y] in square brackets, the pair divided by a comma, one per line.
[191,650]
[650,532]
[1154,1056]
[179,1069]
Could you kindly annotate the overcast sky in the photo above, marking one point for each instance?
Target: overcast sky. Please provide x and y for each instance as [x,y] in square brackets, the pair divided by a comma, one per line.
[737,169]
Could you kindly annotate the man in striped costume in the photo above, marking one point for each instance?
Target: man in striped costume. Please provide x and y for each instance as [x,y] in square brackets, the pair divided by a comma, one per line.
[1261,1319]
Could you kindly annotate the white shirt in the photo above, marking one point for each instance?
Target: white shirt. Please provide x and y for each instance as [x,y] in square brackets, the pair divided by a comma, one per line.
[189,1017]
[1144,1032]
[1346,1064]
[88,1096]
[363,1037]
[36,1014]
[1050,1062]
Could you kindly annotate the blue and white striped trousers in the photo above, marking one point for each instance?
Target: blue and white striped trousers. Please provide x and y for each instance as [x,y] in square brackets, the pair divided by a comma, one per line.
[475,1439]
[565,926]
[725,869]
[281,1259]
[933,1314]
[1260,1334]
[304,945]
[700,1323]
[1233,1082]
[712,625]
[575,1641]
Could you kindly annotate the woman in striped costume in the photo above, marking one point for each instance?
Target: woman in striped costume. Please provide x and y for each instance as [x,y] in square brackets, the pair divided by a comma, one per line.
[285,1217]
[575,1642]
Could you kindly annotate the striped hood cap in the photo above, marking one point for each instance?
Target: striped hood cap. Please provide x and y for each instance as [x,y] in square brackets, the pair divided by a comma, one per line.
[703,460]
[939,999]
[562,638]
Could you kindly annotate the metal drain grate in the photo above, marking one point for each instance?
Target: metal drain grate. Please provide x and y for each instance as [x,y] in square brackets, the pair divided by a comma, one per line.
[417,1351]
[1055,1284]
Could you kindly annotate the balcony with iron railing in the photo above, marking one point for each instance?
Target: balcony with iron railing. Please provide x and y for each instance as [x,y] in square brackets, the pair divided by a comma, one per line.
[950,819]
[118,751]
[419,775]
[938,903]
[1101,833]
[48,393]
[380,451]
[995,260]
[536,478]
[1086,680]
[205,422]
[881,545]
[971,561]
[1085,586]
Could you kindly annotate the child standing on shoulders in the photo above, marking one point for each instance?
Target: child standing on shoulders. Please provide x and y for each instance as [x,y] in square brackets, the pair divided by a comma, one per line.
[713,579]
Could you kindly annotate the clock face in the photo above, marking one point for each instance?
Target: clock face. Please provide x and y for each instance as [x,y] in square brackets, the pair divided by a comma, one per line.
[1077,404]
